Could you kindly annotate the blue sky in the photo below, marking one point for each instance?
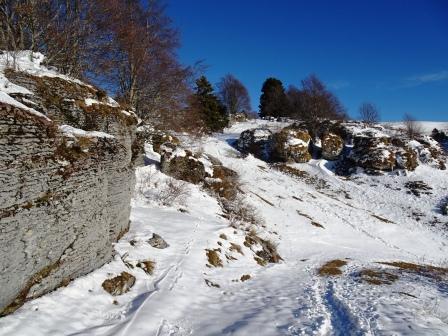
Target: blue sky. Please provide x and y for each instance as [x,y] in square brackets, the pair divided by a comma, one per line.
[393,53]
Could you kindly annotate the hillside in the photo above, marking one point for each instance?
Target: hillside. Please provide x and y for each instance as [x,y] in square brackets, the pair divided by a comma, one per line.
[360,255]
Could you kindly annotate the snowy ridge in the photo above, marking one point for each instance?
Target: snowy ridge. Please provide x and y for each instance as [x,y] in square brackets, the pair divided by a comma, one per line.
[314,218]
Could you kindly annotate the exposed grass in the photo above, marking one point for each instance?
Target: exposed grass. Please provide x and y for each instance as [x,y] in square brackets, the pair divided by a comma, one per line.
[377,277]
[332,268]
[260,261]
[304,176]
[148,266]
[236,248]
[268,252]
[213,258]
[429,271]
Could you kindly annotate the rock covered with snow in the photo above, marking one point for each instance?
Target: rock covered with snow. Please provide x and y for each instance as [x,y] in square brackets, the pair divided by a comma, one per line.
[157,241]
[257,141]
[158,138]
[332,146]
[372,150]
[291,145]
[182,164]
[429,151]
[67,172]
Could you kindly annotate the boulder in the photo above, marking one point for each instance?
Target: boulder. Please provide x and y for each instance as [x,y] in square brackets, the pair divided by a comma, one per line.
[291,145]
[224,182]
[430,152]
[332,146]
[181,164]
[120,284]
[373,151]
[406,158]
[157,242]
[160,138]
[257,141]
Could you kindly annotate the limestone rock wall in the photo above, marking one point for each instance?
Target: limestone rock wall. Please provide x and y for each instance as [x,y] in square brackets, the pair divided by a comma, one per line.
[64,198]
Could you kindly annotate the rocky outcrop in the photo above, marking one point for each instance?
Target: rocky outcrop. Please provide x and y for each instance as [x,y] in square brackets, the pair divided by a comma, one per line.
[291,145]
[158,242]
[158,138]
[257,141]
[375,148]
[67,155]
[371,151]
[332,146]
[181,164]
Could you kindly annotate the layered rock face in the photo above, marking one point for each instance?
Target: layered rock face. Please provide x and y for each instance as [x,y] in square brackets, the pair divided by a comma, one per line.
[67,156]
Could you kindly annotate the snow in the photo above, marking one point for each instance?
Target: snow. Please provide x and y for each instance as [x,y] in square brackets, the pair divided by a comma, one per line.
[32,63]
[292,141]
[7,99]
[262,134]
[426,126]
[288,298]
[72,132]
[6,87]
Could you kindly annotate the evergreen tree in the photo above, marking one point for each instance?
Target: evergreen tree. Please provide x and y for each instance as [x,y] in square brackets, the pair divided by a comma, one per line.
[273,101]
[212,111]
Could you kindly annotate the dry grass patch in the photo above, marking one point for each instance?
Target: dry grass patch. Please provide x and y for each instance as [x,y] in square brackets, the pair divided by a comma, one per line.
[377,277]
[120,284]
[213,258]
[304,176]
[148,266]
[260,261]
[268,252]
[429,271]
[332,268]
[236,248]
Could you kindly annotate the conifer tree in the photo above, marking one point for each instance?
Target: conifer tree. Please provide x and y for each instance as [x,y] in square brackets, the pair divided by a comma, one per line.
[273,101]
[212,112]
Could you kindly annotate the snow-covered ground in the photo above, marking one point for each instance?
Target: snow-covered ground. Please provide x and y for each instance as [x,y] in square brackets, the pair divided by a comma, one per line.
[426,126]
[363,220]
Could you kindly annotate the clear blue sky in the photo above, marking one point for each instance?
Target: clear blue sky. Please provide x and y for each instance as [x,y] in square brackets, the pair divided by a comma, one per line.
[391,52]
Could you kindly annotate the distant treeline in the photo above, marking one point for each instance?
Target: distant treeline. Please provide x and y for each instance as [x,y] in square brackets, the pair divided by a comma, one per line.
[128,47]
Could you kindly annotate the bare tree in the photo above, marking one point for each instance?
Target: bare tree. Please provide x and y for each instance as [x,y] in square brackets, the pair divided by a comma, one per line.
[369,113]
[316,102]
[233,94]
[138,55]
[126,46]
[412,127]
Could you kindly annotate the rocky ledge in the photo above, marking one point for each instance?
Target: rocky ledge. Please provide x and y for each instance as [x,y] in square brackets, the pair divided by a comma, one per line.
[67,173]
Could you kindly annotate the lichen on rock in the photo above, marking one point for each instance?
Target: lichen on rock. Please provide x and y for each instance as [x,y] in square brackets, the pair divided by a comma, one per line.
[67,174]
[291,145]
